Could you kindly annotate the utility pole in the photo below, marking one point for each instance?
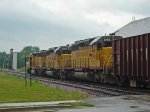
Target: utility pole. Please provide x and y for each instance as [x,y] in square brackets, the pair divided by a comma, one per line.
[3,66]
[25,72]
[11,59]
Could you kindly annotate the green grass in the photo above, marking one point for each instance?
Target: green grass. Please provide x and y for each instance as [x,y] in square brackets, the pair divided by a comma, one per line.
[80,104]
[12,89]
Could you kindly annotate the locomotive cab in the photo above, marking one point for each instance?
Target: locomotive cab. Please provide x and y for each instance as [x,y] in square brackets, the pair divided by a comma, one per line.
[104,41]
[101,48]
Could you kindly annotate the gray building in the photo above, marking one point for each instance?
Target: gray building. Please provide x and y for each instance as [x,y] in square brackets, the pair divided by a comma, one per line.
[12,60]
[136,27]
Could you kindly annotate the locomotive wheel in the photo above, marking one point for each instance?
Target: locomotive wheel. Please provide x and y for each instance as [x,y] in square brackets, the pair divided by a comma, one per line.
[96,78]
[63,75]
[29,71]
[40,72]
[36,72]
[71,75]
[43,73]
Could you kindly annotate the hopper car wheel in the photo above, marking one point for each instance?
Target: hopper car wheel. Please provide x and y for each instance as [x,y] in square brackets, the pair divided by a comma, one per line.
[141,84]
[145,85]
[122,82]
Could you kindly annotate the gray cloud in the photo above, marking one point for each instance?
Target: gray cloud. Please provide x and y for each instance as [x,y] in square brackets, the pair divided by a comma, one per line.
[140,7]
[48,23]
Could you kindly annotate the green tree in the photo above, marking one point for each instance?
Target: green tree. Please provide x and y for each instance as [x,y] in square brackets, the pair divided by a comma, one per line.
[3,57]
[25,52]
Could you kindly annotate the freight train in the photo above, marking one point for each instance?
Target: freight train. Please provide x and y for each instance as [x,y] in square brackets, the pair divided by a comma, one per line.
[103,59]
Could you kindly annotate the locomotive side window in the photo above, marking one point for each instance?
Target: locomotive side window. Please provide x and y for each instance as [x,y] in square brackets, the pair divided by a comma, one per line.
[66,51]
[99,46]
[63,50]
[107,42]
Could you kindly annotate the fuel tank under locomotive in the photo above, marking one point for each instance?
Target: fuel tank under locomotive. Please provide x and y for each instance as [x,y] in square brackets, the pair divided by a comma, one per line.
[49,73]
[84,76]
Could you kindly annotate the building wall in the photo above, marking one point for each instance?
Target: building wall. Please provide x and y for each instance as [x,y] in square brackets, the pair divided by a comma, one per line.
[14,66]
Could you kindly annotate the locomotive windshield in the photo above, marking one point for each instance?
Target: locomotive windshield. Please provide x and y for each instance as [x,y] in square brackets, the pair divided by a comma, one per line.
[104,41]
[82,44]
[62,50]
[51,50]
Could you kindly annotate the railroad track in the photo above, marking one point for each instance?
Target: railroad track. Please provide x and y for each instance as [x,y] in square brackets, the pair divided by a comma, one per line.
[91,88]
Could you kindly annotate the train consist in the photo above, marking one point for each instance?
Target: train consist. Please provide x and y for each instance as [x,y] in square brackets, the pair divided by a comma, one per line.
[104,59]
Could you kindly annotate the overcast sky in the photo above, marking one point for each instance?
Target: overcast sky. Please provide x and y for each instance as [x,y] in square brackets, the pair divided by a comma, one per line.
[48,23]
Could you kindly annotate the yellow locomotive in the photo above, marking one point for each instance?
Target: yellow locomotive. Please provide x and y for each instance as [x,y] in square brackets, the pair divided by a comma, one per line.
[57,59]
[37,62]
[89,59]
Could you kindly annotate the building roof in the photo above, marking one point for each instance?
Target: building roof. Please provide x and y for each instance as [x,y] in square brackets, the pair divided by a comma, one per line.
[134,28]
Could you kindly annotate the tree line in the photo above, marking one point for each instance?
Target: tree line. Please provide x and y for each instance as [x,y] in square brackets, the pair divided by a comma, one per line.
[3,57]
[27,50]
